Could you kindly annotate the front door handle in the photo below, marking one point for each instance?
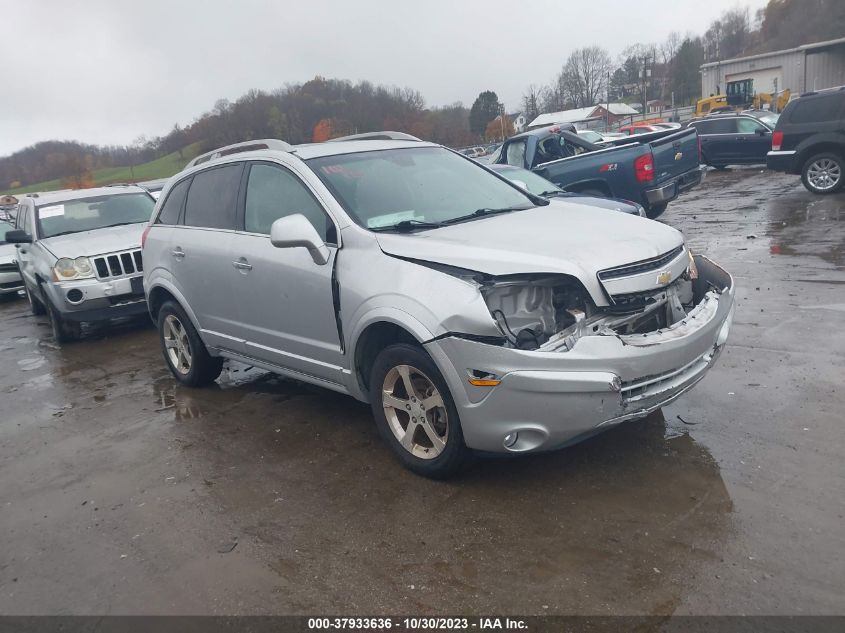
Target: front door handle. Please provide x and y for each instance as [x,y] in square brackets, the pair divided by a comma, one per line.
[242,264]
[178,253]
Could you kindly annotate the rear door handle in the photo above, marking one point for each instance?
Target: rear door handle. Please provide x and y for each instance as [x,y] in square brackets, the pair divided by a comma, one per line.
[178,253]
[242,264]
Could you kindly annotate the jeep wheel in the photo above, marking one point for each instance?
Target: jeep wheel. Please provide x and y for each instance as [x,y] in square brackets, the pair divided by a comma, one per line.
[184,352]
[35,306]
[822,173]
[63,331]
[415,413]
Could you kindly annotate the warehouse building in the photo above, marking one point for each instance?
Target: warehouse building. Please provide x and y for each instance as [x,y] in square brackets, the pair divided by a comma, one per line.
[808,67]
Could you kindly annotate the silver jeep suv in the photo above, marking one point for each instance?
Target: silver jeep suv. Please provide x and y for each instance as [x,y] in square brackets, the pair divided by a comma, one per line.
[79,253]
[470,313]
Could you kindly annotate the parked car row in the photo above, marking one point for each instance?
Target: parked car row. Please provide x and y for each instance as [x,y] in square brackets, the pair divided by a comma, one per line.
[475,308]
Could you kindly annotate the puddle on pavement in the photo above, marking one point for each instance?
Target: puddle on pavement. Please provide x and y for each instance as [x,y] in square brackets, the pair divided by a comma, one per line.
[799,227]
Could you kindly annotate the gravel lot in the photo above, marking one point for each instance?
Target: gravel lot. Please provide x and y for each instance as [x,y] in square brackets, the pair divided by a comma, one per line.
[121,492]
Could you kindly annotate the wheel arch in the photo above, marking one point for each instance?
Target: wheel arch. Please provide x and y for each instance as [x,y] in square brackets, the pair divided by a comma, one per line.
[373,333]
[162,292]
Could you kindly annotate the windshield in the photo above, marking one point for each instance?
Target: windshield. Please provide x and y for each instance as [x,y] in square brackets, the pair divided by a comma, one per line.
[5,227]
[534,183]
[426,184]
[88,214]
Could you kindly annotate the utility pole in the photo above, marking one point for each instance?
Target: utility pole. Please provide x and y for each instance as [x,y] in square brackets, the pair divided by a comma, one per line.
[502,120]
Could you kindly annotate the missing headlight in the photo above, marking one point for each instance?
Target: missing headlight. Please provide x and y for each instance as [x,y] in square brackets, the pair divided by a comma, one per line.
[529,309]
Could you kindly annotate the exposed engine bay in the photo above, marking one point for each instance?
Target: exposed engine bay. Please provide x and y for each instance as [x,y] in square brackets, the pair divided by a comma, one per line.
[551,312]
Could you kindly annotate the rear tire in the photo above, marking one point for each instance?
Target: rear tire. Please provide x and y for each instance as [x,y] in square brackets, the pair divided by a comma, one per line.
[420,423]
[655,210]
[823,173]
[184,352]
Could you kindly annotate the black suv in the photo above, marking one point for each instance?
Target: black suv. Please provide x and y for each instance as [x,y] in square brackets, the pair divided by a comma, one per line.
[809,139]
[733,139]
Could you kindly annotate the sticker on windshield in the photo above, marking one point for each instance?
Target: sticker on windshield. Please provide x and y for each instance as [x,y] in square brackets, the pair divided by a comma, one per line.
[391,218]
[51,212]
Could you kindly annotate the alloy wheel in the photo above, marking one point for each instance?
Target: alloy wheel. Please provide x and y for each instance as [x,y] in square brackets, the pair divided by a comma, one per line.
[824,174]
[177,344]
[415,411]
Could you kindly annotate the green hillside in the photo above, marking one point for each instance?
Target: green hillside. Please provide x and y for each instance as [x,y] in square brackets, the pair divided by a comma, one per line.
[163,167]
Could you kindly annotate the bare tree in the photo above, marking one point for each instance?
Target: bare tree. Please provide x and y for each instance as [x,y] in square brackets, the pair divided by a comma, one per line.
[531,102]
[584,75]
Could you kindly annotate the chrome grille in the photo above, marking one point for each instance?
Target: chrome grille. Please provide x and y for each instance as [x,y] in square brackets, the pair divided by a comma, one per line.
[643,266]
[8,268]
[118,264]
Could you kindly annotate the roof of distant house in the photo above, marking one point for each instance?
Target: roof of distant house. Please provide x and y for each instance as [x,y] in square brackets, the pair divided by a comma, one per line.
[582,114]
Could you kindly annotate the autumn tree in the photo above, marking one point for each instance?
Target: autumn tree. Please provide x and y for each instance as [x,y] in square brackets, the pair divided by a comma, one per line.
[485,108]
[499,129]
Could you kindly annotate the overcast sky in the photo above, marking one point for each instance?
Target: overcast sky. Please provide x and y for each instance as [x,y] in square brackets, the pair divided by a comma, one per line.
[108,71]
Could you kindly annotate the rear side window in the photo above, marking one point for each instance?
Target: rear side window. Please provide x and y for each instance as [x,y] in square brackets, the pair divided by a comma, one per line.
[816,110]
[722,126]
[173,205]
[272,193]
[212,198]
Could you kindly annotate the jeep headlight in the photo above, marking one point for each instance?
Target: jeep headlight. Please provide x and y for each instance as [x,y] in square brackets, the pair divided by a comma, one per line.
[67,269]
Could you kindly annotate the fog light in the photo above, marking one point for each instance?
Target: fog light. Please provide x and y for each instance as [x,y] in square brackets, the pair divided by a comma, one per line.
[74,295]
[510,439]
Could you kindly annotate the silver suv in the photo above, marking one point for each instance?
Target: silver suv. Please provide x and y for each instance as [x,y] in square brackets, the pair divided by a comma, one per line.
[470,313]
[79,253]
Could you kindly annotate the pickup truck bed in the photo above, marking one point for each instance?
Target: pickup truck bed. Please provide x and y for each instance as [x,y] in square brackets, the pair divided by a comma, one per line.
[652,169]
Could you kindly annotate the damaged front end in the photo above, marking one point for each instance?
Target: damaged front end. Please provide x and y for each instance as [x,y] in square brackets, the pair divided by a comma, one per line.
[569,364]
[553,312]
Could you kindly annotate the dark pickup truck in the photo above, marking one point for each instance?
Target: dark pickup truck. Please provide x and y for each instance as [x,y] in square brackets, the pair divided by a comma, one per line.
[651,169]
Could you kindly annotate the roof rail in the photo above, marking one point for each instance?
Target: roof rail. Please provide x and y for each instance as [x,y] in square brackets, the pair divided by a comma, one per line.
[237,148]
[376,136]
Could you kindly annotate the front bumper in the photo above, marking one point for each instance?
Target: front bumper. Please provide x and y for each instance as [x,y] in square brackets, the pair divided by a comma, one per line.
[782,160]
[10,281]
[675,187]
[552,399]
[92,300]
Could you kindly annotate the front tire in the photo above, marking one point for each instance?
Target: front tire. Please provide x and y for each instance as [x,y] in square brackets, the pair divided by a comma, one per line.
[63,331]
[184,352]
[415,413]
[35,306]
[823,173]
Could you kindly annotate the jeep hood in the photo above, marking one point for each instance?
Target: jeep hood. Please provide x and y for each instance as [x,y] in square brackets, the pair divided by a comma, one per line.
[97,242]
[562,237]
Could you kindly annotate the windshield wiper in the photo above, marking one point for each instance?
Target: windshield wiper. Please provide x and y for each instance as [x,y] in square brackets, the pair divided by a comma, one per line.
[108,226]
[480,213]
[406,226]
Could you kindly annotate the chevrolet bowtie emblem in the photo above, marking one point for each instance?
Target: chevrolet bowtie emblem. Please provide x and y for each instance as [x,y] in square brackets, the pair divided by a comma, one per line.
[664,278]
[679,156]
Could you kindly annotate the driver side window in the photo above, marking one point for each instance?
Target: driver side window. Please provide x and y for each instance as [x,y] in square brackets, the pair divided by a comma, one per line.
[747,126]
[273,192]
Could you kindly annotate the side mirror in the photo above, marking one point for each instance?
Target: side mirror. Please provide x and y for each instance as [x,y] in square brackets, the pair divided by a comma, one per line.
[18,237]
[295,230]
[761,131]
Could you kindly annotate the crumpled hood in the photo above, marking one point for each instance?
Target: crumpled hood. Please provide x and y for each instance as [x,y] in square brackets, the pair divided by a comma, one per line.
[98,242]
[562,237]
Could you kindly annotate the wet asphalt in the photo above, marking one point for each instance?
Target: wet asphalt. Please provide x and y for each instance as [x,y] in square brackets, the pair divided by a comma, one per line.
[121,492]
